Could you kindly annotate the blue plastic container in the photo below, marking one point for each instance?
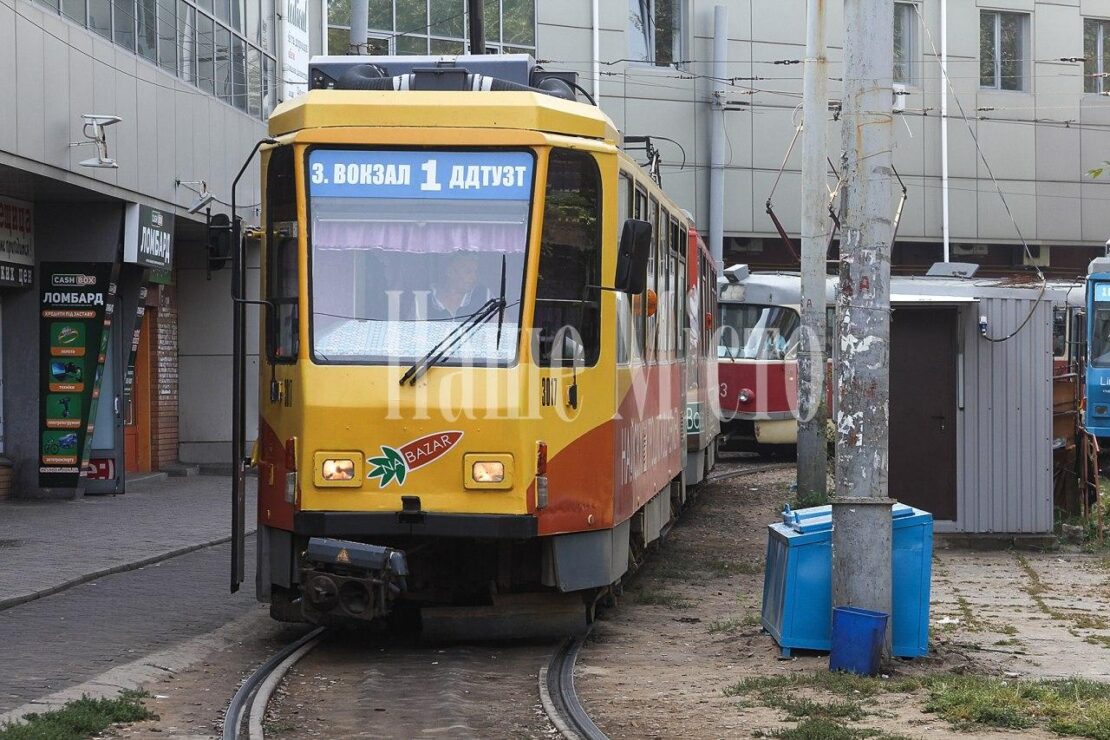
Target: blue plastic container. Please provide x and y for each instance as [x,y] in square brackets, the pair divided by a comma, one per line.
[797,585]
[857,640]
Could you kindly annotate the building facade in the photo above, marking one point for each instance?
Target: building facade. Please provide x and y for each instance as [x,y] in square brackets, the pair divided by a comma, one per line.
[192,81]
[121,116]
[1027,74]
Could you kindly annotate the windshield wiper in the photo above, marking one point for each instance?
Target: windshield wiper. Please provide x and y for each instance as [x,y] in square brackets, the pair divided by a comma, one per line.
[501,301]
[453,338]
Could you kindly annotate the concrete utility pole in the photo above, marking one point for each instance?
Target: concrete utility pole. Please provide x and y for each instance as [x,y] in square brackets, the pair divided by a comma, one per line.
[861,510]
[812,463]
[360,24]
[717,136]
[477,29]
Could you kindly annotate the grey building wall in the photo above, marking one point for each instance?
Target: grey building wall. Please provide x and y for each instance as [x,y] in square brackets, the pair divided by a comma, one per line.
[1040,161]
[1004,430]
[53,70]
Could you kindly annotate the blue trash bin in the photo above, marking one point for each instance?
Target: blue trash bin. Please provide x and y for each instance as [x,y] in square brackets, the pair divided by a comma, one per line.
[797,585]
[857,640]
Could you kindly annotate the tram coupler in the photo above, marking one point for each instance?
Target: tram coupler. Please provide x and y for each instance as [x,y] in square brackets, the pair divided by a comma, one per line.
[355,580]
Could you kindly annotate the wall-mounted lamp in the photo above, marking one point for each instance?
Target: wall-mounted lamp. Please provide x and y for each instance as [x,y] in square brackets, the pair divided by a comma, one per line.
[93,130]
[203,196]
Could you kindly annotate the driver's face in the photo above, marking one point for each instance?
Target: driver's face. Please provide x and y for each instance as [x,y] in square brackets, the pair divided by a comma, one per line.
[466,271]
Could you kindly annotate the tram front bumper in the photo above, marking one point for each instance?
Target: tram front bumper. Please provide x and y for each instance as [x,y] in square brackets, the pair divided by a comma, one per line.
[350,579]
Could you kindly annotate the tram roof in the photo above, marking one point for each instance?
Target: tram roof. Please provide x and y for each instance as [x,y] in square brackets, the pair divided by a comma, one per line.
[784,288]
[437,109]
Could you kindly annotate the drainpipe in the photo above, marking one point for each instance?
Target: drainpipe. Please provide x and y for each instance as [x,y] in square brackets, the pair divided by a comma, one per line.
[944,125]
[596,51]
[717,137]
[360,22]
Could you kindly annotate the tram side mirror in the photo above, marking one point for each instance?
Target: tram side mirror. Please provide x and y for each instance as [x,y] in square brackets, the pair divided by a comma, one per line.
[632,257]
[219,241]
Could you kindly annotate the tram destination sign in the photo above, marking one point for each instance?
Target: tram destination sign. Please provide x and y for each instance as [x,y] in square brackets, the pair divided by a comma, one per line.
[148,237]
[17,243]
[339,173]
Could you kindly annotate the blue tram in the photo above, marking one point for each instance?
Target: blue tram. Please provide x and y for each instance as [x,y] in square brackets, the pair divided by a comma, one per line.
[1096,416]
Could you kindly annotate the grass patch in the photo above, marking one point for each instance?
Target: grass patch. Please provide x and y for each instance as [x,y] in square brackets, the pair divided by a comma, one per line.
[825,729]
[1070,707]
[1086,620]
[1102,640]
[734,623]
[659,597]
[80,718]
[1008,641]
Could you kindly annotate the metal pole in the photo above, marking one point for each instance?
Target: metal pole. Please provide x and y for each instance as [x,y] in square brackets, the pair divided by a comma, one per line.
[360,23]
[812,463]
[944,126]
[717,137]
[861,511]
[596,50]
[477,25]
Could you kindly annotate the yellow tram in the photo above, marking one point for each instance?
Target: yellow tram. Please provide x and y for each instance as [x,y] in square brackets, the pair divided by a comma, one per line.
[474,349]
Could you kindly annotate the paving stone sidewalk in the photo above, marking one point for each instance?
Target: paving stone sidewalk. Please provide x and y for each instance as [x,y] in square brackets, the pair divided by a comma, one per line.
[47,546]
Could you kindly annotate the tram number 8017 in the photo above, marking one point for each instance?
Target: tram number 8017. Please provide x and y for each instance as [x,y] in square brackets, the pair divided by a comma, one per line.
[549,391]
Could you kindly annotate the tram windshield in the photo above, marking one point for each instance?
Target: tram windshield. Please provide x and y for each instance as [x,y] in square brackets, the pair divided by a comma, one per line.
[407,245]
[1100,335]
[753,332]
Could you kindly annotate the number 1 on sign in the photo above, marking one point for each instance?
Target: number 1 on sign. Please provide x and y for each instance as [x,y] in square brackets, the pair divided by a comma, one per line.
[430,182]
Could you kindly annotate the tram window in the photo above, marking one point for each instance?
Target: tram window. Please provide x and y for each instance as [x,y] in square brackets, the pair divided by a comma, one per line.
[1100,335]
[754,332]
[640,204]
[653,260]
[624,201]
[683,298]
[282,287]
[1059,332]
[568,327]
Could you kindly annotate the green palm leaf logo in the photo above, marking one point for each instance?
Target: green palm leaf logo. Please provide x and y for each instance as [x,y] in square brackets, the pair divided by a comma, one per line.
[389,467]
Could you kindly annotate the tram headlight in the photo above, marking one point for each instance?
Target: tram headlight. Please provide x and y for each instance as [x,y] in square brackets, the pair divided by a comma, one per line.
[338,469]
[341,469]
[485,470]
[746,395]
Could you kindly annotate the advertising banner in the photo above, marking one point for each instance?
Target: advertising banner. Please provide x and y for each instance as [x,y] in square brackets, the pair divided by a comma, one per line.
[17,243]
[148,237]
[294,36]
[75,305]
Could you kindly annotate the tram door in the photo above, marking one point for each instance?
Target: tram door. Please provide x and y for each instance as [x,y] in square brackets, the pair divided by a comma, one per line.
[923,379]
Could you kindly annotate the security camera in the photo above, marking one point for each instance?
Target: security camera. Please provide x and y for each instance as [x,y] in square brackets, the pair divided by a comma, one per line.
[202,201]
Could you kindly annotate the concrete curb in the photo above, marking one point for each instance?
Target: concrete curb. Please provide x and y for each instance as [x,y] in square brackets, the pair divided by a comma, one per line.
[8,603]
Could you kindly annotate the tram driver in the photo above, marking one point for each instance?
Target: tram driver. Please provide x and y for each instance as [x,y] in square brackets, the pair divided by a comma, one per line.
[456,292]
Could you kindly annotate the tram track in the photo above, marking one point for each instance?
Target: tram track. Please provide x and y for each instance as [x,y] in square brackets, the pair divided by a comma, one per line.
[247,710]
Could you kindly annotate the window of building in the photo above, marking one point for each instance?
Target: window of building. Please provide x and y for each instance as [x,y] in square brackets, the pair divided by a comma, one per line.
[567,316]
[1003,47]
[216,45]
[282,286]
[656,31]
[123,23]
[905,43]
[1096,55]
[434,27]
[167,35]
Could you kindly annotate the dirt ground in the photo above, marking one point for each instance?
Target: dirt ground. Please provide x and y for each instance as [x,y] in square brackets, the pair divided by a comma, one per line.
[661,662]
[688,628]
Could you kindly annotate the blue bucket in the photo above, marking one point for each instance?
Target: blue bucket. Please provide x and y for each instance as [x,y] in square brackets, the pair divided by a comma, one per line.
[857,640]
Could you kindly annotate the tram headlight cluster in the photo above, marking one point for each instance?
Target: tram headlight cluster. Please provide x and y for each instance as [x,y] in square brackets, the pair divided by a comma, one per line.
[338,468]
[488,470]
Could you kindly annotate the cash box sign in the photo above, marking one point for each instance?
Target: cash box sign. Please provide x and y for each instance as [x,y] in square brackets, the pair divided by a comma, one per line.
[148,240]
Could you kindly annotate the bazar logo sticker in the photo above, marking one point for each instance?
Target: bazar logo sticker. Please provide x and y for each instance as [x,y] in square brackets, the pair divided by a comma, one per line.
[396,463]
